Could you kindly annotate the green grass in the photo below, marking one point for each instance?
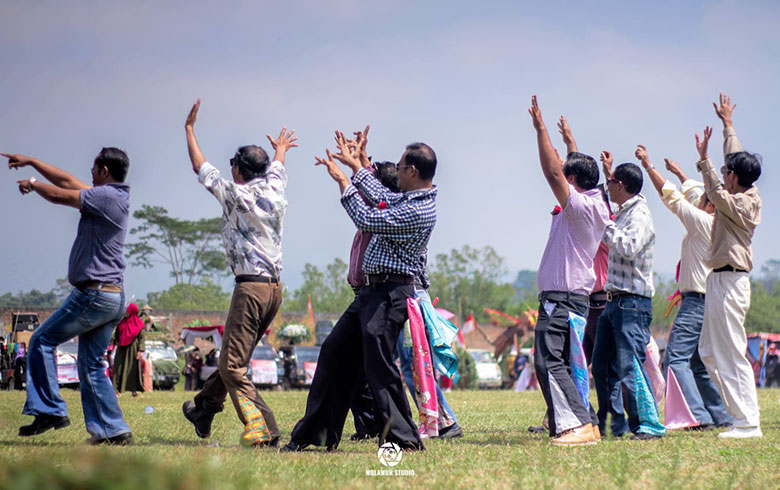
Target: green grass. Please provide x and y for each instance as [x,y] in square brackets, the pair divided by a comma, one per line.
[496,452]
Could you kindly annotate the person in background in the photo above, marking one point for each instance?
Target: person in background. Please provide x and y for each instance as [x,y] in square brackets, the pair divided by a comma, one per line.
[129,344]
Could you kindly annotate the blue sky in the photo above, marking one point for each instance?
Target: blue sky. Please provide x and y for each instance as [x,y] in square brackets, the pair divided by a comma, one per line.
[79,75]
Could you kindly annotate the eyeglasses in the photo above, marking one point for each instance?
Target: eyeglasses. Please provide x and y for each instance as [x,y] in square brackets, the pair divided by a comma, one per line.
[725,170]
[398,166]
[612,180]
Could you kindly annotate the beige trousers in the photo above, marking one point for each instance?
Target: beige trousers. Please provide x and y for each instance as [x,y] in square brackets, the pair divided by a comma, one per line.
[723,345]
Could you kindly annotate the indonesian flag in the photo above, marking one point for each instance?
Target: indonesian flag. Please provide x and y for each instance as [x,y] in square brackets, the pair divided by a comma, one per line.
[470,325]
[308,320]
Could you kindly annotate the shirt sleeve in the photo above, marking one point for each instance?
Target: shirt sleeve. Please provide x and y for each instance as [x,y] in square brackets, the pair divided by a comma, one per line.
[98,201]
[277,175]
[393,222]
[372,189]
[731,143]
[692,190]
[630,240]
[212,180]
[676,202]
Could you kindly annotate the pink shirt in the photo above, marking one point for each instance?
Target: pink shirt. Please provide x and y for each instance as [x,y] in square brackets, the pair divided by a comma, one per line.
[575,234]
[355,277]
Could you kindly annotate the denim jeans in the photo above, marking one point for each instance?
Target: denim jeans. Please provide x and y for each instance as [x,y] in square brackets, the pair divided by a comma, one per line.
[623,334]
[682,357]
[91,315]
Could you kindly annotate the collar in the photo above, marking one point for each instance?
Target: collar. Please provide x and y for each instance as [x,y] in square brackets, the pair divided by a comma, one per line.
[630,203]
[422,193]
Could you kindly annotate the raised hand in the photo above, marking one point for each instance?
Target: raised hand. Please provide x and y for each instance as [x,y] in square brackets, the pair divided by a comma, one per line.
[348,153]
[568,138]
[536,114]
[284,141]
[675,169]
[724,109]
[333,169]
[606,163]
[641,155]
[361,140]
[702,143]
[192,116]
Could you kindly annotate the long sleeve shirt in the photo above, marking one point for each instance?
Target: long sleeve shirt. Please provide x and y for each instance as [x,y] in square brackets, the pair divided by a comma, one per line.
[631,240]
[252,217]
[696,242]
[736,215]
[401,231]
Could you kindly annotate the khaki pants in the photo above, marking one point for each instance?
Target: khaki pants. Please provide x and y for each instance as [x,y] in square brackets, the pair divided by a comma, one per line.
[252,309]
[723,345]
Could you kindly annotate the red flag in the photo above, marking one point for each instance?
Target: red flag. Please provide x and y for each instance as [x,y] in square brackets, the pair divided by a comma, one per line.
[461,341]
[470,325]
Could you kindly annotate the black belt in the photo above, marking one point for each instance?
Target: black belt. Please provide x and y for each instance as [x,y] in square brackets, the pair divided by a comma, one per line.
[559,296]
[613,295]
[256,278]
[373,279]
[692,294]
[598,296]
[728,268]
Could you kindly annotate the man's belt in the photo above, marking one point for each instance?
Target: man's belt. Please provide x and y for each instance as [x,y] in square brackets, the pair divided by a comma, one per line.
[559,296]
[100,286]
[613,295]
[598,296]
[256,278]
[374,279]
[692,294]
[728,268]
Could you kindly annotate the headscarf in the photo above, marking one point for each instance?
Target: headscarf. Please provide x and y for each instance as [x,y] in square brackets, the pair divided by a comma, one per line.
[130,326]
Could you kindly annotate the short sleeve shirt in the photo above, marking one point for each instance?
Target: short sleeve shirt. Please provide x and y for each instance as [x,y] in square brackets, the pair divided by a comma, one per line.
[96,255]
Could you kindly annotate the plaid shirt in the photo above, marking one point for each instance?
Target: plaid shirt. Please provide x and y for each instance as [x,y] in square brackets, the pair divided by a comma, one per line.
[401,230]
[631,240]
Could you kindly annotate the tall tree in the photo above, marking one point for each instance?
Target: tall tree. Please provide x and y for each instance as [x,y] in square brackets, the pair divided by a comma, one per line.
[192,249]
[204,296]
[329,290]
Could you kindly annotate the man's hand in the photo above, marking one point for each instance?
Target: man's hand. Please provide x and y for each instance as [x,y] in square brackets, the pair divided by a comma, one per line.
[725,109]
[192,116]
[606,163]
[16,161]
[568,139]
[139,355]
[25,186]
[361,140]
[283,143]
[701,143]
[641,155]
[675,169]
[349,154]
[536,115]
[334,170]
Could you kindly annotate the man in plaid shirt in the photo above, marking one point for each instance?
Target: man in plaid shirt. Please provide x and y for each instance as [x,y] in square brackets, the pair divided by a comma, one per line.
[364,338]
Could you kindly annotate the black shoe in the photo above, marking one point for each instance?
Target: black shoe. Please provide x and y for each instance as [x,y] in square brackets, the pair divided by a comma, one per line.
[124,439]
[451,432]
[701,427]
[292,447]
[202,422]
[725,425]
[356,437]
[42,423]
[536,429]
[642,436]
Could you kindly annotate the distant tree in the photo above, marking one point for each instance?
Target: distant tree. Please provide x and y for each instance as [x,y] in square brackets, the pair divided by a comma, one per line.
[192,249]
[470,279]
[764,312]
[527,288]
[770,274]
[204,296]
[329,290]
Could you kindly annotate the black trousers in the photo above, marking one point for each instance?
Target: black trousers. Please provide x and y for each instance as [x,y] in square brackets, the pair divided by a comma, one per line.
[363,341]
[552,347]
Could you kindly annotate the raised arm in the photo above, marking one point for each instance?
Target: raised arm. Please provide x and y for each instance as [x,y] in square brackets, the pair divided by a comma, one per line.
[568,138]
[552,166]
[56,176]
[282,144]
[675,169]
[655,176]
[606,164]
[724,110]
[334,171]
[196,156]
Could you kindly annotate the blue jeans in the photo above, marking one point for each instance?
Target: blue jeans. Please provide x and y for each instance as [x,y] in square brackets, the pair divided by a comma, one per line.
[682,357]
[91,315]
[622,335]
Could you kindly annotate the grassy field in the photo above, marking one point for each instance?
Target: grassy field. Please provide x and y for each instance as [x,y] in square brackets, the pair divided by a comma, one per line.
[496,452]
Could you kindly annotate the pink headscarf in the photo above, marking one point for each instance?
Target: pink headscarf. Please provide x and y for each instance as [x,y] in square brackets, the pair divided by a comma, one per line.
[130,326]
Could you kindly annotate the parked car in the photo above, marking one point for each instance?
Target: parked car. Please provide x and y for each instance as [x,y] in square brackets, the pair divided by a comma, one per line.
[488,370]
[67,370]
[13,369]
[165,364]
[265,368]
[300,363]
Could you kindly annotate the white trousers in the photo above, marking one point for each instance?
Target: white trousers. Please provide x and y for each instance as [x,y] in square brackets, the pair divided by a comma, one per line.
[723,345]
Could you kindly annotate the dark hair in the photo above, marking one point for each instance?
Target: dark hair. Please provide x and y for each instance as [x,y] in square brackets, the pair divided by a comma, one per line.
[252,162]
[115,160]
[423,158]
[584,169]
[630,175]
[387,174]
[747,167]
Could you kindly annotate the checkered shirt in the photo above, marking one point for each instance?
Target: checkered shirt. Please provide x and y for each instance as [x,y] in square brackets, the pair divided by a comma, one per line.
[631,240]
[401,230]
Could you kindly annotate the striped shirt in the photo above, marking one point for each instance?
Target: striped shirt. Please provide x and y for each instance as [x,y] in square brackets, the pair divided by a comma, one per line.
[631,240]
[401,230]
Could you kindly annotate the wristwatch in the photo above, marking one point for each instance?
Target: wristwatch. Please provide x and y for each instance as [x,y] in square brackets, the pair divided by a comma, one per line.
[32,180]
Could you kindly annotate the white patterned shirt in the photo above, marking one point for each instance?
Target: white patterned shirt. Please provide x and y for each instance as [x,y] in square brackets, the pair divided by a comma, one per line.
[631,240]
[252,216]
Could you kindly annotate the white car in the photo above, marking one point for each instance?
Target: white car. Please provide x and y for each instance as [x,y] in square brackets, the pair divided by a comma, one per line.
[67,370]
[488,370]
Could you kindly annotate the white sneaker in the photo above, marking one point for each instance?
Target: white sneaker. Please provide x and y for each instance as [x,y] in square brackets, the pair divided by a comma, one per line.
[741,433]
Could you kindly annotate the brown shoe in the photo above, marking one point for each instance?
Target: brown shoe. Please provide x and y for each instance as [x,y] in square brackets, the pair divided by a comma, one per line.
[579,436]
[596,432]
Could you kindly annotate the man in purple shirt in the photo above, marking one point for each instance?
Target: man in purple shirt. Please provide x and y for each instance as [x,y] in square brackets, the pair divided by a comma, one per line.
[95,305]
[565,279]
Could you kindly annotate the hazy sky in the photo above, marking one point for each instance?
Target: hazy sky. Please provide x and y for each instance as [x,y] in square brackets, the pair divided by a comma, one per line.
[76,76]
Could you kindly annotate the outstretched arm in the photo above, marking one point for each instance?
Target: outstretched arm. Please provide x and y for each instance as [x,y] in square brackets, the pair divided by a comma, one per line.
[196,156]
[56,176]
[552,166]
[568,138]
[52,193]
[282,144]
[655,176]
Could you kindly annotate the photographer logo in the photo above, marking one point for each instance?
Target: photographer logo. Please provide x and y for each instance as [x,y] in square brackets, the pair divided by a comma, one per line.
[389,454]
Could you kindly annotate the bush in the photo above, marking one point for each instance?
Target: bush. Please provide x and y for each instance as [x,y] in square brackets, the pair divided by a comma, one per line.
[467,370]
